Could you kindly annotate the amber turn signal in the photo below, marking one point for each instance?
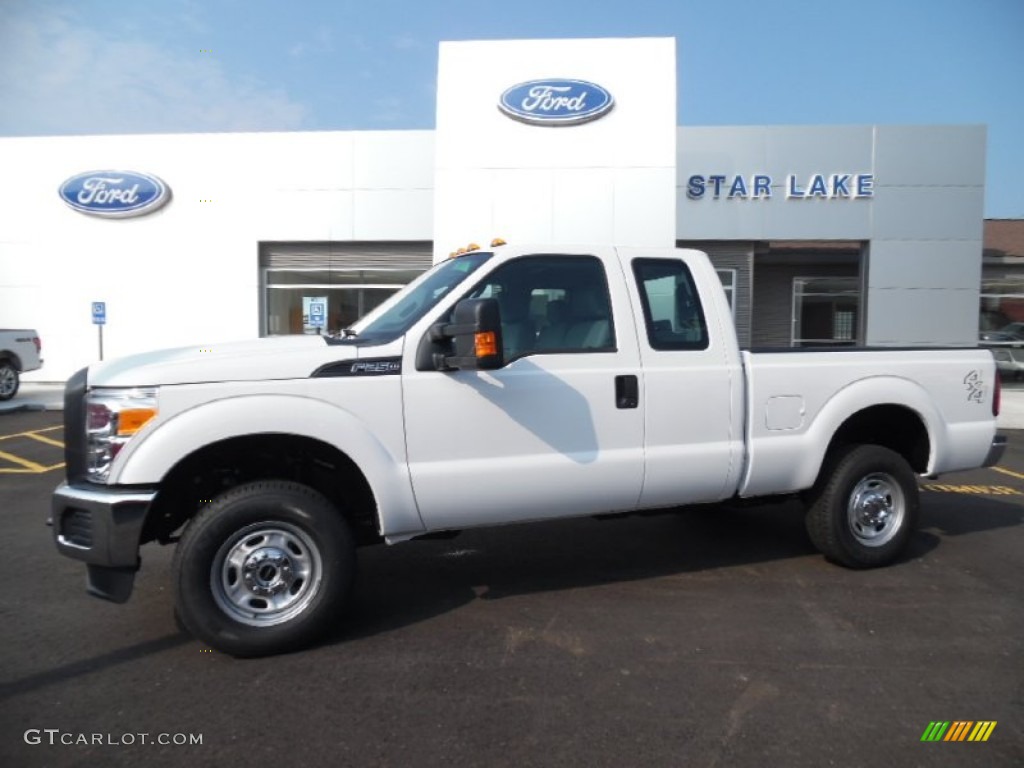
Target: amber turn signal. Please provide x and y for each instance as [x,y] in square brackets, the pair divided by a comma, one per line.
[486,344]
[131,421]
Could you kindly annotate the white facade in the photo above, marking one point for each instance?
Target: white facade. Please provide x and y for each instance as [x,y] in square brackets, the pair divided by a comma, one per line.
[190,273]
[610,180]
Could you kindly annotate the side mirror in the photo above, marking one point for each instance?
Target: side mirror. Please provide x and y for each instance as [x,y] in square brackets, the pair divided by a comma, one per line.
[475,331]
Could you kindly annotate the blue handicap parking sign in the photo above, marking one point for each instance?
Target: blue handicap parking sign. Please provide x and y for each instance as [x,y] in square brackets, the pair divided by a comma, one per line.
[99,312]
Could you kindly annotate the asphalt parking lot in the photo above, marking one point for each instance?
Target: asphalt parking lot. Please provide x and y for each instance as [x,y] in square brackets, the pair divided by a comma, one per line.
[711,637]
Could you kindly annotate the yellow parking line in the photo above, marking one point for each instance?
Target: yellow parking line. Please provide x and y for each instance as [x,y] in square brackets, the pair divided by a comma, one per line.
[31,466]
[1009,472]
[989,490]
[40,471]
[29,434]
[44,439]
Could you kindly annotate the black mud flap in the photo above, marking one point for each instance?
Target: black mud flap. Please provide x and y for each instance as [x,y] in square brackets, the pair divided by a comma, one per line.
[113,584]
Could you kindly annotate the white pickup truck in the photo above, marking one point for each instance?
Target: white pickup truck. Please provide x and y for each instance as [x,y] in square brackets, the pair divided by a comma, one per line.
[506,385]
[19,353]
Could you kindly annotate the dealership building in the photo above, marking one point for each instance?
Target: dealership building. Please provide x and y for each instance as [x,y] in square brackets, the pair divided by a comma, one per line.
[821,235]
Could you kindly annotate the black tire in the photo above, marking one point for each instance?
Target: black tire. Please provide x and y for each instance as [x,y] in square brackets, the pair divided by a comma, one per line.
[265,568]
[9,380]
[865,507]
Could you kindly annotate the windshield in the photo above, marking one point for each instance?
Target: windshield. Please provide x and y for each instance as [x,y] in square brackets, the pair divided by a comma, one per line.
[399,313]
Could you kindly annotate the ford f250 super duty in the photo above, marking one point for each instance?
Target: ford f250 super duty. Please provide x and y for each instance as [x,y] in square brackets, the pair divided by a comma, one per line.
[505,385]
[19,353]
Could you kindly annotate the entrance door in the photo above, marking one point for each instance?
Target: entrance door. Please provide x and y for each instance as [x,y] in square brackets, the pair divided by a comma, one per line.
[484,446]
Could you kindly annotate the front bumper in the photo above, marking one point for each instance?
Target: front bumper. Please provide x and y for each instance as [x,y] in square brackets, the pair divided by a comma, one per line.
[102,527]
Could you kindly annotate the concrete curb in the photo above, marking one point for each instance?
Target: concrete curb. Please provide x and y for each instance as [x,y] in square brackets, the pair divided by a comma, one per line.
[35,397]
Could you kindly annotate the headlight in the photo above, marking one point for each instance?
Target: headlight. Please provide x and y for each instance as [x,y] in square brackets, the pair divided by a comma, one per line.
[112,417]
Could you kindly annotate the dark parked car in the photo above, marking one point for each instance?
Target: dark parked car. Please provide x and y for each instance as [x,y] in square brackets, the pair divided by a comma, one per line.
[1007,345]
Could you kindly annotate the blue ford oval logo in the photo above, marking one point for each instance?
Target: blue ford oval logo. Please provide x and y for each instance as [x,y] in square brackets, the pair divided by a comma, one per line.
[556,102]
[114,193]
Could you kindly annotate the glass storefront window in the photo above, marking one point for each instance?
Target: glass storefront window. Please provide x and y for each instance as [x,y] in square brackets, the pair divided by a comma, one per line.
[1002,307]
[350,294]
[344,306]
[1001,323]
[825,311]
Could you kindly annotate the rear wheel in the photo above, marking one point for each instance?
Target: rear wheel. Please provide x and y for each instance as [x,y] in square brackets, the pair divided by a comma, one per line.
[9,381]
[265,568]
[864,511]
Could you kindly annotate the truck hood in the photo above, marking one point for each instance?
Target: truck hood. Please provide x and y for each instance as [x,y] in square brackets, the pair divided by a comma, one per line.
[284,357]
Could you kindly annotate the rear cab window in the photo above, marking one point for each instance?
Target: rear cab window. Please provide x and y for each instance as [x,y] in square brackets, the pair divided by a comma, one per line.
[673,315]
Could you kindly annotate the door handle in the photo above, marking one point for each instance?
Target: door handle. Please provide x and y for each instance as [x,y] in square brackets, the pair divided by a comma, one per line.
[627,392]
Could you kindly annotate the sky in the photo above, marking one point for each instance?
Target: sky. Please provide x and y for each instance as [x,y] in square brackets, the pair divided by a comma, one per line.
[169,66]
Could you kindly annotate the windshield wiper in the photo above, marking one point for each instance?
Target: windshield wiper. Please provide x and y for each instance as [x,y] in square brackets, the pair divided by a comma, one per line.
[348,333]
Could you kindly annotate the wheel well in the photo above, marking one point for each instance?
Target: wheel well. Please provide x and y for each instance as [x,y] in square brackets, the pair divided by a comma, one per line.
[202,476]
[893,426]
[10,357]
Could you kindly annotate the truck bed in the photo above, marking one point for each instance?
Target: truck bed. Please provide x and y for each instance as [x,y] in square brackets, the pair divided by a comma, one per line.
[798,399]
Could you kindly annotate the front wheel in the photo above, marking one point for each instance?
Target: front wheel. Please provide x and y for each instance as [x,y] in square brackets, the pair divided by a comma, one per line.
[263,569]
[864,512]
[8,380]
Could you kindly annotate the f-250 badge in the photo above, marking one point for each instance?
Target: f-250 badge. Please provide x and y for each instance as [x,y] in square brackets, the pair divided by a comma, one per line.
[975,387]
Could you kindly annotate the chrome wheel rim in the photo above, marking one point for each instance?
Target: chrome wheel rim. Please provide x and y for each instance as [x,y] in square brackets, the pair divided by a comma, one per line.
[266,574]
[876,509]
[7,379]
